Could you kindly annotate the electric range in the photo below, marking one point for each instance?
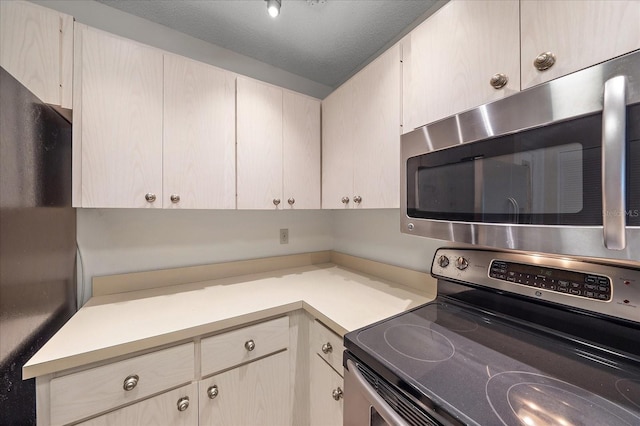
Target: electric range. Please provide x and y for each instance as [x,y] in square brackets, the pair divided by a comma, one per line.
[511,339]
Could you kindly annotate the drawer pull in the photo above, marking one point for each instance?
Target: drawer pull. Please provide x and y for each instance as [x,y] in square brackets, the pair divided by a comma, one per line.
[212,392]
[250,345]
[130,382]
[337,394]
[183,403]
[327,348]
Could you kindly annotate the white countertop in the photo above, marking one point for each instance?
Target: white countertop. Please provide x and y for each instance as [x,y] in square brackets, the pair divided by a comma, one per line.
[119,324]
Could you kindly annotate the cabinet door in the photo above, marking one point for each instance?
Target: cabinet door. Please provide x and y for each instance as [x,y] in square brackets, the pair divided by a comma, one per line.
[121,122]
[259,174]
[453,55]
[578,33]
[159,410]
[36,48]
[252,394]
[338,115]
[301,151]
[326,386]
[376,152]
[199,135]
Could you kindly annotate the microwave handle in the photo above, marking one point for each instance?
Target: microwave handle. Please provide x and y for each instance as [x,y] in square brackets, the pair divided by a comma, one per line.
[614,163]
[382,408]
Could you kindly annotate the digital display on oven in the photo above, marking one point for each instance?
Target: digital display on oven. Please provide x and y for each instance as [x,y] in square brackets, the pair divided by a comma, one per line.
[590,286]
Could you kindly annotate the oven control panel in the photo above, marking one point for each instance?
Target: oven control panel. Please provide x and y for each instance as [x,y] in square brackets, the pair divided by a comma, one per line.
[591,286]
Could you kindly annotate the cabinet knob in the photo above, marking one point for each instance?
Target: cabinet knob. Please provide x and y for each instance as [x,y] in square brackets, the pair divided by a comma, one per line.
[212,392]
[345,200]
[544,61]
[291,201]
[175,198]
[327,348]
[250,345]
[130,382]
[276,201]
[337,394]
[498,81]
[150,197]
[183,403]
[357,199]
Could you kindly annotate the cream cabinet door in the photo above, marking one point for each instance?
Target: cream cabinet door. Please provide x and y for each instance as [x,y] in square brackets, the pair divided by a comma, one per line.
[338,116]
[376,145]
[178,407]
[259,145]
[199,136]
[578,33]
[449,60]
[326,398]
[252,394]
[301,151]
[36,48]
[119,120]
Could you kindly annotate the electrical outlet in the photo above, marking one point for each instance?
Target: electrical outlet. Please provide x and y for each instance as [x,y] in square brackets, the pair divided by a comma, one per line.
[284,236]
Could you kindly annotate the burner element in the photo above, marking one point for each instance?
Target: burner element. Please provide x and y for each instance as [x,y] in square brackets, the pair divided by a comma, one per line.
[419,343]
[630,390]
[519,397]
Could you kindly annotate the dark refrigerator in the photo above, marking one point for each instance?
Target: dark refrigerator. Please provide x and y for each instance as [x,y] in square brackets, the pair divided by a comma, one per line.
[37,239]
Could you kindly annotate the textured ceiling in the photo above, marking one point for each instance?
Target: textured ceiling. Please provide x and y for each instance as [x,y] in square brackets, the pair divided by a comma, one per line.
[322,41]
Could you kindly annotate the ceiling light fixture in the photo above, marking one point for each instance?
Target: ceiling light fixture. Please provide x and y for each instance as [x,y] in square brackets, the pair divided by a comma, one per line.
[273,7]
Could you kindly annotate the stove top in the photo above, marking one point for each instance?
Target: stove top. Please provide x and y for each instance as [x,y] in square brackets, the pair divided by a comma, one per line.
[483,369]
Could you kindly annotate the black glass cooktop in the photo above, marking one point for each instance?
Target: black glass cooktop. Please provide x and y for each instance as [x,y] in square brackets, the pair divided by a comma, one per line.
[486,370]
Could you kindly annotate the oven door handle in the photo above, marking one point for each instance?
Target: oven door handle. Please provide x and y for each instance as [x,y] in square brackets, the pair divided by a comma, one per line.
[376,401]
[614,163]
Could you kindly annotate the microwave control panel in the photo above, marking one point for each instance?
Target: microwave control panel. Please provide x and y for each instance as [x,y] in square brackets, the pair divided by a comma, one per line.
[591,286]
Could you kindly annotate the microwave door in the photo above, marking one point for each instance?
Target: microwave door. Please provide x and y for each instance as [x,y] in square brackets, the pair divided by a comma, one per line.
[505,189]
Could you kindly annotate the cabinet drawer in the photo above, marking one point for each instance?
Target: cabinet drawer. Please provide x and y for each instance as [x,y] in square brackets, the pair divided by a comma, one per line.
[234,347]
[327,344]
[82,394]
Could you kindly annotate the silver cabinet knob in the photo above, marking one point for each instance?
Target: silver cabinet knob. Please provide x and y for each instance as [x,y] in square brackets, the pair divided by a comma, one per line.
[337,394]
[183,403]
[150,197]
[250,345]
[462,263]
[212,391]
[498,81]
[345,200]
[357,199]
[130,382]
[327,348]
[276,201]
[291,201]
[175,198]
[544,61]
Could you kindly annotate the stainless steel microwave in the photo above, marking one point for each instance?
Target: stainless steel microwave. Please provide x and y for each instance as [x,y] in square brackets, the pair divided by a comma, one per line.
[554,169]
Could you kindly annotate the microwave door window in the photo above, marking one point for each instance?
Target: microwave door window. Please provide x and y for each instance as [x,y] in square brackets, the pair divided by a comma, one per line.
[447,189]
[506,189]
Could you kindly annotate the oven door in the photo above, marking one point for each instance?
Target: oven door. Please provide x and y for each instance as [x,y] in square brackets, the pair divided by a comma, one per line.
[554,169]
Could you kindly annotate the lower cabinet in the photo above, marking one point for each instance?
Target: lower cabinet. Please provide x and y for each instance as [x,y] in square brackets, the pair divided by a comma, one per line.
[326,394]
[252,394]
[178,407]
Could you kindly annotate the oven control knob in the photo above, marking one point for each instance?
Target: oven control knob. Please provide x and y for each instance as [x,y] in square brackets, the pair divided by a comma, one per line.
[462,263]
[443,261]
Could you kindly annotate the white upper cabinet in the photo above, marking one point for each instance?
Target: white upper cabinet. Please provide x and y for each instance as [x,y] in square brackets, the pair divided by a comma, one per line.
[578,33]
[278,147]
[361,138]
[301,151]
[118,120]
[36,48]
[199,135]
[451,58]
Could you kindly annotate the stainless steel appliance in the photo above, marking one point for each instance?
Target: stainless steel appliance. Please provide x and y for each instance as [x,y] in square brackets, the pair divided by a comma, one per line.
[511,339]
[37,239]
[552,169]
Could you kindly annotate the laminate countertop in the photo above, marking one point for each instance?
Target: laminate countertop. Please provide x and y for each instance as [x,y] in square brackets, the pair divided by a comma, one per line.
[122,323]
